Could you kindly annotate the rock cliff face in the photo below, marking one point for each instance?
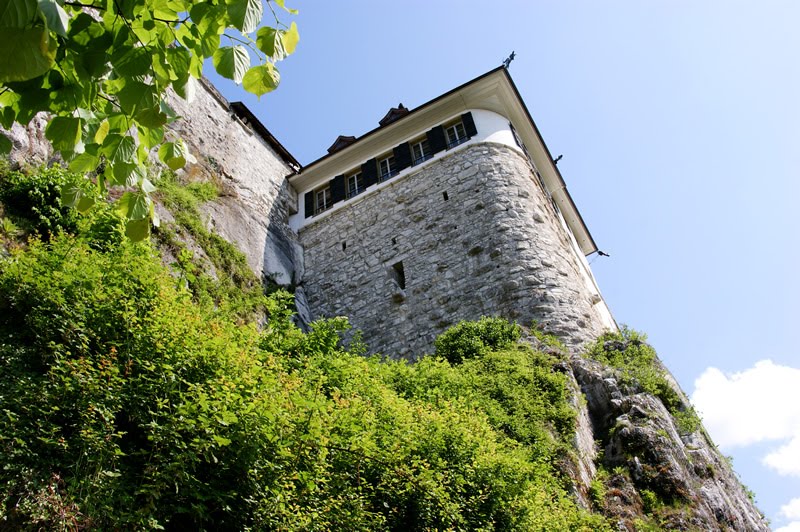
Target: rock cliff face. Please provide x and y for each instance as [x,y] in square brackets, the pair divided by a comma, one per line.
[650,461]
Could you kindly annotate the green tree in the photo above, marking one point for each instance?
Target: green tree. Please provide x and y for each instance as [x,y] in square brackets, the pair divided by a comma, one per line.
[102,69]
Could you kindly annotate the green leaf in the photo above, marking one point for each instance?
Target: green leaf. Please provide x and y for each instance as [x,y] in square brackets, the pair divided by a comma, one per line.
[282,3]
[64,133]
[232,62]
[151,118]
[102,131]
[245,15]
[151,137]
[118,148]
[85,162]
[290,39]
[185,88]
[136,96]
[269,41]
[56,17]
[179,60]
[7,116]
[147,186]
[77,193]
[16,13]
[137,230]
[132,61]
[5,145]
[173,154]
[261,79]
[134,205]
[25,53]
[221,441]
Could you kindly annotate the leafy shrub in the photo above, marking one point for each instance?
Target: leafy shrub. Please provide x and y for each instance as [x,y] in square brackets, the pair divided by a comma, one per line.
[34,199]
[103,227]
[126,403]
[470,339]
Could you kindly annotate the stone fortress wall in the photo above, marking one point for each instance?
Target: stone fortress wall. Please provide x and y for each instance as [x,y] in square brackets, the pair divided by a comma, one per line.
[471,232]
[468,234]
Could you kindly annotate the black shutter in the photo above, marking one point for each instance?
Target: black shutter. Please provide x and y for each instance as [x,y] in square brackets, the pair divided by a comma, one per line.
[369,171]
[436,139]
[337,189]
[469,124]
[309,204]
[402,156]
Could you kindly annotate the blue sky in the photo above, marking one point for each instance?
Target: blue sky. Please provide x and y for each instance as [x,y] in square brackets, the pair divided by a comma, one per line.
[679,123]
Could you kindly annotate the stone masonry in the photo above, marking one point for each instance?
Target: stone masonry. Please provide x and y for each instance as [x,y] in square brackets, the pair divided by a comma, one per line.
[476,235]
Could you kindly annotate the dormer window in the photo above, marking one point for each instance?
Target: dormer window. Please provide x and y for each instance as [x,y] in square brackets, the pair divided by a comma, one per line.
[355,184]
[322,199]
[386,168]
[421,151]
[456,134]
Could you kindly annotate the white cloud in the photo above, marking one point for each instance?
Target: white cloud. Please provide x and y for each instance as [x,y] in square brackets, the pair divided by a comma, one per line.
[791,510]
[759,404]
[754,405]
[786,461]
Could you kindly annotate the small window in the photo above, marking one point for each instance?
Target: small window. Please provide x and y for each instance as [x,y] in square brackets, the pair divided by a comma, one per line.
[456,134]
[386,168]
[355,185]
[421,151]
[322,199]
[398,275]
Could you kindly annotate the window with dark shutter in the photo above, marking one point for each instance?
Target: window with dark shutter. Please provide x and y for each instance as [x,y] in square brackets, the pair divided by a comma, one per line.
[436,139]
[337,189]
[402,156]
[421,151]
[370,172]
[309,204]
[355,184]
[387,168]
[469,124]
[456,135]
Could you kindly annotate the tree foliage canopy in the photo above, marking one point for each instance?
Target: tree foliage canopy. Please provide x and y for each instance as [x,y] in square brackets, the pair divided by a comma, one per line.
[102,68]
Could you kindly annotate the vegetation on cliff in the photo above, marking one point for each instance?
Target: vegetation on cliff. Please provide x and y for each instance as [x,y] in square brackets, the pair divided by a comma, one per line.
[131,397]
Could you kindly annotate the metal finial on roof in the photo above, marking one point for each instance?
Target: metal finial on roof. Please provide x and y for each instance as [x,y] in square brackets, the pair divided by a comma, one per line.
[508,59]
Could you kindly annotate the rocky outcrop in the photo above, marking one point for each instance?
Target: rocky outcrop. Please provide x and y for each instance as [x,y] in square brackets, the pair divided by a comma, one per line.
[29,147]
[230,147]
[652,468]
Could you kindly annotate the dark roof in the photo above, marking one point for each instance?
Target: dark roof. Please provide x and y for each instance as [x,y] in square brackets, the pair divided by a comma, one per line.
[249,118]
[394,113]
[341,142]
[424,105]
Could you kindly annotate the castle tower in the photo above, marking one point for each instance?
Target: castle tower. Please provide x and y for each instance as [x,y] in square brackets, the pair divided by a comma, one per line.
[451,211]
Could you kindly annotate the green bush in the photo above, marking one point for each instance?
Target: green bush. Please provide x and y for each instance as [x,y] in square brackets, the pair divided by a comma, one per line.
[127,403]
[34,200]
[470,339]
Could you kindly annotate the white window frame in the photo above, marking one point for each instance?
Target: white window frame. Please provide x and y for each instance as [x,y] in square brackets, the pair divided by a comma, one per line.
[323,194]
[390,168]
[454,136]
[358,181]
[424,155]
